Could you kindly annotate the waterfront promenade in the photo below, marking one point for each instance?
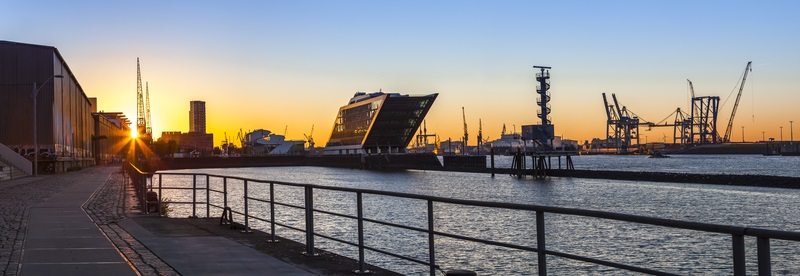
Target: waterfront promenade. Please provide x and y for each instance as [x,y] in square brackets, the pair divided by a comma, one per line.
[83,223]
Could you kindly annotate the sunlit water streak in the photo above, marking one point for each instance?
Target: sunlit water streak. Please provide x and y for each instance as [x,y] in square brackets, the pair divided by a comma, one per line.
[679,251]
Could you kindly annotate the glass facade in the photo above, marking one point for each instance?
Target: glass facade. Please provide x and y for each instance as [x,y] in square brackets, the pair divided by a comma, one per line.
[378,122]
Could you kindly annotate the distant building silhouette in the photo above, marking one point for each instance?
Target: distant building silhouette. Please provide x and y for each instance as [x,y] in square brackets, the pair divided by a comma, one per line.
[197,116]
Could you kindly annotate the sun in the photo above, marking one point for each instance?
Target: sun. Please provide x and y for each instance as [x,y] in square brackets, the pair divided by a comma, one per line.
[134,133]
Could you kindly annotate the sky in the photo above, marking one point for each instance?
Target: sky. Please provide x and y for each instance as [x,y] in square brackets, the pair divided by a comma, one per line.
[286,66]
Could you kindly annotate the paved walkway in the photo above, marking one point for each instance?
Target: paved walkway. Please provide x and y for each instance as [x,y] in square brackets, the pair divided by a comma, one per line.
[63,240]
[75,224]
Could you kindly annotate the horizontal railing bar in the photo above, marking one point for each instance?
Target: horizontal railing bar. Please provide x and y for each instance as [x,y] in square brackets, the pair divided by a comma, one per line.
[398,256]
[705,227]
[336,239]
[259,218]
[289,205]
[256,199]
[220,192]
[489,242]
[290,227]
[217,206]
[395,225]
[335,214]
[606,263]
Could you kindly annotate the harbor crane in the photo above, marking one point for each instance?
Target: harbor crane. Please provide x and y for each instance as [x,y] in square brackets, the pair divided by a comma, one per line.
[466,136]
[310,138]
[621,127]
[480,136]
[727,137]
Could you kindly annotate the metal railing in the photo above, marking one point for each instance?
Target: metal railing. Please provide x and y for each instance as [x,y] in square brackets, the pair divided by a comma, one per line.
[738,234]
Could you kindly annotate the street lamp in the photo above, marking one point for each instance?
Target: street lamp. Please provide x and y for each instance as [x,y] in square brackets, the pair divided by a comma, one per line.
[762,136]
[781,133]
[791,131]
[35,129]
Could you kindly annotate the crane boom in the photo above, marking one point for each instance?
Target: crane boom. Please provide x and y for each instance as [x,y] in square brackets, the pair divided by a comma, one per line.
[691,87]
[736,104]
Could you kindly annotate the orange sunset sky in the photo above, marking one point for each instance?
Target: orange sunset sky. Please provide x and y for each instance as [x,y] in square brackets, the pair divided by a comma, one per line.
[265,64]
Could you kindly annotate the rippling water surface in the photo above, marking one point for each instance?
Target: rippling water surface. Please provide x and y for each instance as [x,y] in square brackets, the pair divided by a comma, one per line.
[678,251]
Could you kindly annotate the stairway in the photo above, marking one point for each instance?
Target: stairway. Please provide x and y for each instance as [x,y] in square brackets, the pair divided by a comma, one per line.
[7,171]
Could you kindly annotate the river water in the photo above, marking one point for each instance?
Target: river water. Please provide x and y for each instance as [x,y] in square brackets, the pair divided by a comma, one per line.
[677,251]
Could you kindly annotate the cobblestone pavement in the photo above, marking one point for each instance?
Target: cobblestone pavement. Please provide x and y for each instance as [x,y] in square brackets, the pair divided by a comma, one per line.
[107,207]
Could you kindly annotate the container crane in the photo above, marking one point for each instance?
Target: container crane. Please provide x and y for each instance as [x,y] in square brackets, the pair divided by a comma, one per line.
[691,87]
[727,136]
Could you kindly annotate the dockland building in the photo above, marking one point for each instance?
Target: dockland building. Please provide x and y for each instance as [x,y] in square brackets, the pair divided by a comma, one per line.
[379,122]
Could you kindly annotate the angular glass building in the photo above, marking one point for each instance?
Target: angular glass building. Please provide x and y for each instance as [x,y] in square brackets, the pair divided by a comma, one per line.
[377,123]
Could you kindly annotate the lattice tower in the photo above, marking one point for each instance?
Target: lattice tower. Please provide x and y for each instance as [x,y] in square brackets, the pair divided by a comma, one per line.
[141,124]
[147,110]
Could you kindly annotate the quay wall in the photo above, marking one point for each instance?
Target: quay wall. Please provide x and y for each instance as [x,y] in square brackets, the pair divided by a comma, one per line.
[399,162]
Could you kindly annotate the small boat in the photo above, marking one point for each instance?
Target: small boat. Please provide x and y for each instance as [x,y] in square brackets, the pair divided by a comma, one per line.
[657,154]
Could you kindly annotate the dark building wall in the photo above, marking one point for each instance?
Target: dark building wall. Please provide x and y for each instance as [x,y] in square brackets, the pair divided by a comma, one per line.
[110,138]
[64,121]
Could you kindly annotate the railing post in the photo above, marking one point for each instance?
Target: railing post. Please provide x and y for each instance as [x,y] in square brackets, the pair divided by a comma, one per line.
[272,213]
[360,213]
[738,255]
[309,193]
[225,192]
[246,211]
[431,242]
[160,195]
[540,244]
[142,180]
[208,197]
[194,196]
[764,265]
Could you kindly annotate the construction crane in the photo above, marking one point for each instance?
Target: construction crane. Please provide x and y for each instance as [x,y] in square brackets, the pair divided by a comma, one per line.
[466,136]
[149,126]
[691,87]
[141,124]
[310,138]
[480,135]
[727,136]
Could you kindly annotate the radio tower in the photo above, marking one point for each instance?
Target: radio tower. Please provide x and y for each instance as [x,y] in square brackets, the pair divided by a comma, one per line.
[147,110]
[141,124]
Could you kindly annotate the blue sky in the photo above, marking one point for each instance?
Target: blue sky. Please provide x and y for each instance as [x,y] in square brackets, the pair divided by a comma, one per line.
[272,64]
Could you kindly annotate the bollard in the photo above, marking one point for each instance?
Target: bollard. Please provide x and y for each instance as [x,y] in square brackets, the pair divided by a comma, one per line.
[460,272]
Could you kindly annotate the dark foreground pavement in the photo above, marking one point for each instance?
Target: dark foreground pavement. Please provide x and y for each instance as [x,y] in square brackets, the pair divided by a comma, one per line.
[86,223]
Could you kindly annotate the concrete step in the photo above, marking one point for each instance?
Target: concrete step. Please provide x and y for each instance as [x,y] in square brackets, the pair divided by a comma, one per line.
[8,172]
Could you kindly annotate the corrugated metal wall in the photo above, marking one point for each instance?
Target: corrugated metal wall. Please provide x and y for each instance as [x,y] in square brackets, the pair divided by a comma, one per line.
[65,123]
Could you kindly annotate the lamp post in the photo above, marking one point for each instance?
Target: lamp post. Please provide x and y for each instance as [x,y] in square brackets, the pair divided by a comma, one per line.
[791,131]
[35,128]
[762,136]
[781,133]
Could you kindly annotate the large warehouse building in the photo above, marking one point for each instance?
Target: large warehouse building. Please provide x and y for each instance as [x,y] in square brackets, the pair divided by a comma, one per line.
[64,127]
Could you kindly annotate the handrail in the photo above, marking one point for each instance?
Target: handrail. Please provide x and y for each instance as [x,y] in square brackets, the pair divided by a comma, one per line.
[16,160]
[737,232]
